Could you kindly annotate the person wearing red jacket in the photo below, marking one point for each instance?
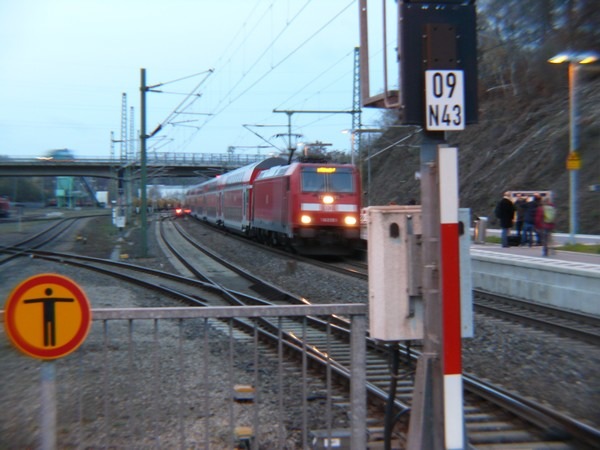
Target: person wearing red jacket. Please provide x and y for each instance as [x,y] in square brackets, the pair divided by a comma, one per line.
[544,221]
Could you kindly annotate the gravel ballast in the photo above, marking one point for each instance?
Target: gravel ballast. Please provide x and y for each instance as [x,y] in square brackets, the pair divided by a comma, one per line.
[561,372]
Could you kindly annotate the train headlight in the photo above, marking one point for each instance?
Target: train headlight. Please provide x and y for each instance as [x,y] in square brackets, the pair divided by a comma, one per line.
[350,220]
[328,199]
[305,219]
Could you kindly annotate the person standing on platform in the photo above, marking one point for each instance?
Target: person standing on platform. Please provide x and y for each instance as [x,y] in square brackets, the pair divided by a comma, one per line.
[538,231]
[520,206]
[529,222]
[544,221]
[505,212]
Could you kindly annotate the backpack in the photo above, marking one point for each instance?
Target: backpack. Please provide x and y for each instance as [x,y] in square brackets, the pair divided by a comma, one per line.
[549,213]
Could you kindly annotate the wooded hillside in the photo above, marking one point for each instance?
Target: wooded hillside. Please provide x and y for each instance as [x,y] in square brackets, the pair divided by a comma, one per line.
[522,139]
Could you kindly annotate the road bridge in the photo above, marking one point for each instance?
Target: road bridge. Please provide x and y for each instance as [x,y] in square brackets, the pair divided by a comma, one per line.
[158,165]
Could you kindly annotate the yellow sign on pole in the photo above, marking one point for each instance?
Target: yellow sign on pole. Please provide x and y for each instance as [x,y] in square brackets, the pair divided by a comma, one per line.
[573,161]
[47,316]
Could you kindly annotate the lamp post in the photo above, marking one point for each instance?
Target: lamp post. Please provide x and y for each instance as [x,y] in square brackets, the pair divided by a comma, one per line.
[353,133]
[573,160]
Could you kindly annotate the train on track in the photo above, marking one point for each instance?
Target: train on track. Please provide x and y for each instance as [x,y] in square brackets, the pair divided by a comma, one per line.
[311,208]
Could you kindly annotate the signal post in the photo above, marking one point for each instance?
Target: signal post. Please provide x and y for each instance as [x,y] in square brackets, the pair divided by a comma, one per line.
[438,91]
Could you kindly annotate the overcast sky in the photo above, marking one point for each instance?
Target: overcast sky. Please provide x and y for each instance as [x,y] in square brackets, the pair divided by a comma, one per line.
[64,65]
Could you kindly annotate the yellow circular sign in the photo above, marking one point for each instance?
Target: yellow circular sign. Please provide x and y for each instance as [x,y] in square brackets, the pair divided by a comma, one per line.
[47,316]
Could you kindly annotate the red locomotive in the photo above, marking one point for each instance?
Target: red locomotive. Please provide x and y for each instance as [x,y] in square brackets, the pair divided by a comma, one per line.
[310,207]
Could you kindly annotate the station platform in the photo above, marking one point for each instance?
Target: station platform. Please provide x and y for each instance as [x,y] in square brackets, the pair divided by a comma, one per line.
[565,280]
[536,252]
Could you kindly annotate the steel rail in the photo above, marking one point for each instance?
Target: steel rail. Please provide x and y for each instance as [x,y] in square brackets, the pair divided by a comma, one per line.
[548,425]
[579,326]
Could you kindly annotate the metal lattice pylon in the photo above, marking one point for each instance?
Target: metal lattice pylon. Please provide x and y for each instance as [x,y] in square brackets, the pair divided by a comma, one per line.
[132,140]
[124,156]
[356,107]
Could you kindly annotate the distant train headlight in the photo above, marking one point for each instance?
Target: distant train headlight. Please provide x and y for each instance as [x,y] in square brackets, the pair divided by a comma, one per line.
[328,199]
[350,220]
[305,219]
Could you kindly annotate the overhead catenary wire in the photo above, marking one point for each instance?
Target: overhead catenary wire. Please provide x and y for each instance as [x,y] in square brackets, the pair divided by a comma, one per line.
[180,79]
[331,67]
[228,99]
[237,49]
[191,94]
[285,58]
[395,143]
[240,30]
[269,46]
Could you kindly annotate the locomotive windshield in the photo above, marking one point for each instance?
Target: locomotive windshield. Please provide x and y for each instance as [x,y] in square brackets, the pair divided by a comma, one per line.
[327,179]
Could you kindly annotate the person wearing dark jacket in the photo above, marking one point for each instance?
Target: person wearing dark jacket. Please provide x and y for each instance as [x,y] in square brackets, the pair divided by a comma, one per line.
[520,207]
[529,221]
[505,212]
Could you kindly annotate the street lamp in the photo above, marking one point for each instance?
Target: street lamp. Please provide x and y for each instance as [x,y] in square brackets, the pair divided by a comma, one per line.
[357,131]
[573,160]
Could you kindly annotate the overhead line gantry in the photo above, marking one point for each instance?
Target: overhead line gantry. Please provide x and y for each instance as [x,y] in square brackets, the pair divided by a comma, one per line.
[290,112]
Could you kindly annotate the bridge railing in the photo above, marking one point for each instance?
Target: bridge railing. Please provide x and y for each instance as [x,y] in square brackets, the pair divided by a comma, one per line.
[217,159]
[155,158]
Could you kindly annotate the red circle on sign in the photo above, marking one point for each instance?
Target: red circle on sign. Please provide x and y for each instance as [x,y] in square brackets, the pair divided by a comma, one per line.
[21,337]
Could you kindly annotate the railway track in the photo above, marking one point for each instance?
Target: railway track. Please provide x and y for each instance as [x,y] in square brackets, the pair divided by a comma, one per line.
[37,240]
[493,417]
[578,326]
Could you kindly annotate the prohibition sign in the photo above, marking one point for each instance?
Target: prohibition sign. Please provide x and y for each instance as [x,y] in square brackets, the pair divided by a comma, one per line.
[47,316]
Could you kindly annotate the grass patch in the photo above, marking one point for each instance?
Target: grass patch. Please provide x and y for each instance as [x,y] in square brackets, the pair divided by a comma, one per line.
[593,249]
[493,239]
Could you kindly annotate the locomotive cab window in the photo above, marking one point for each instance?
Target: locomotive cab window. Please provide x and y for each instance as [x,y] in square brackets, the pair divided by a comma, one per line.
[330,180]
[341,182]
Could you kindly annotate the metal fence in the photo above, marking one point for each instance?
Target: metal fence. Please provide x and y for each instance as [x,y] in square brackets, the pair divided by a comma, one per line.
[184,378]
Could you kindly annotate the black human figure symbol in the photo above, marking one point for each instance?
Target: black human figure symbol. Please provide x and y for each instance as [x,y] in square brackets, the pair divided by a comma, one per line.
[49,321]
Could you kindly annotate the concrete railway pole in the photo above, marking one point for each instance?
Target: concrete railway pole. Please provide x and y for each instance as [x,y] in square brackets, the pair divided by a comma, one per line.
[437,417]
[454,429]
[437,54]
[426,428]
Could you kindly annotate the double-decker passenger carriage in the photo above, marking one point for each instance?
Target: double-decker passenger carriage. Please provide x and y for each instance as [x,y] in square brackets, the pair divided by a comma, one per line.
[227,199]
[313,208]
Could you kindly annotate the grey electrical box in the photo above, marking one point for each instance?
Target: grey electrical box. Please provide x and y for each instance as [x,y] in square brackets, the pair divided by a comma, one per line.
[395,302]
[395,272]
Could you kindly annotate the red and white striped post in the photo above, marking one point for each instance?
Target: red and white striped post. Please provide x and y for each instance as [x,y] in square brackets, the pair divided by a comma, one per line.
[450,288]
